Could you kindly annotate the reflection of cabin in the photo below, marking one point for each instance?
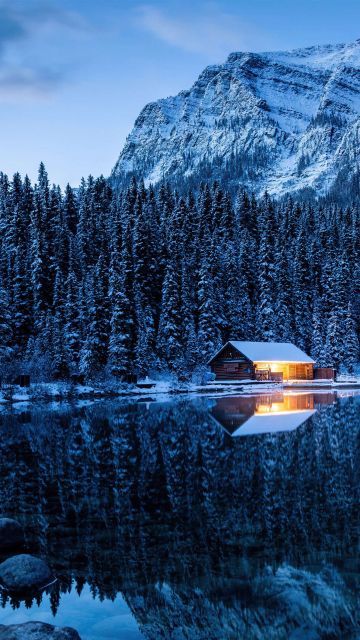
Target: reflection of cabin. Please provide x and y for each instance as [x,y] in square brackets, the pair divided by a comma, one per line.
[275,361]
[268,413]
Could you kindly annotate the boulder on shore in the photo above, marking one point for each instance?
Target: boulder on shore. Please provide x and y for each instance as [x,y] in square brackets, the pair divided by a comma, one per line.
[37,631]
[11,534]
[24,572]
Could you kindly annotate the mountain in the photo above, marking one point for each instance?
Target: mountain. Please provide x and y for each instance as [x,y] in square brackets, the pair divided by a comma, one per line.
[286,122]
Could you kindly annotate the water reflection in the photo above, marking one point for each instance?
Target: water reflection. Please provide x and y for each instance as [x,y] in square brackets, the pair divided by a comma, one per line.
[93,618]
[160,525]
[267,413]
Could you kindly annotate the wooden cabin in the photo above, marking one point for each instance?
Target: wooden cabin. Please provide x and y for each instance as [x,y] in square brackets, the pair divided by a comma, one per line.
[276,361]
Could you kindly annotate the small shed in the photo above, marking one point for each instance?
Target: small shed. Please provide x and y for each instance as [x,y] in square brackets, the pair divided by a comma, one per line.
[243,360]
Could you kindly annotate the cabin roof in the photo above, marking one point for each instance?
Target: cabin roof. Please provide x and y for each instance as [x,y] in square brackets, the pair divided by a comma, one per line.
[269,351]
[273,423]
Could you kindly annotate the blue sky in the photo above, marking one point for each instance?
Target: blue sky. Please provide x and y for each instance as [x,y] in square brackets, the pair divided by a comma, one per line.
[75,74]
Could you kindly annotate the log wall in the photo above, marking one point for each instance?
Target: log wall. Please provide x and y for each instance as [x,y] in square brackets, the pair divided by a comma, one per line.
[232,365]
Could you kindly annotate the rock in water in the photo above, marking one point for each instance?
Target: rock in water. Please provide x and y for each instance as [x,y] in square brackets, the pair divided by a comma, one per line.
[37,631]
[11,534]
[24,572]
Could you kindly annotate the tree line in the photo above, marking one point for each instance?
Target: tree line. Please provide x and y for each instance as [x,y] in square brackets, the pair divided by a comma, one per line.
[102,281]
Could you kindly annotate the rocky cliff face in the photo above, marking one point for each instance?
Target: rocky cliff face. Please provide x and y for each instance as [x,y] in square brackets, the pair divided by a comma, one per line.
[283,121]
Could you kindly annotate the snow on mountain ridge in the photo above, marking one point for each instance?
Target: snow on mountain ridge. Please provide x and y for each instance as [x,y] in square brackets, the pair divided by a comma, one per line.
[290,118]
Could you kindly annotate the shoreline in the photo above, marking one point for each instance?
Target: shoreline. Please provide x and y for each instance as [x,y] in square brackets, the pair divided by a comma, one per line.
[64,392]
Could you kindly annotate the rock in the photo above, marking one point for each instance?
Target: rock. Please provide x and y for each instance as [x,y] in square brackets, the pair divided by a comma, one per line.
[24,572]
[37,631]
[11,534]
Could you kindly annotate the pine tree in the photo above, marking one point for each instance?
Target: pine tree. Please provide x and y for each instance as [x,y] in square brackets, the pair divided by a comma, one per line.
[145,359]
[22,300]
[123,317]
[351,355]
[334,346]
[302,289]
[189,337]
[94,351]
[72,330]
[283,306]
[236,298]
[70,210]
[37,278]
[208,334]
[318,348]
[121,328]
[6,330]
[265,316]
[169,339]
[60,359]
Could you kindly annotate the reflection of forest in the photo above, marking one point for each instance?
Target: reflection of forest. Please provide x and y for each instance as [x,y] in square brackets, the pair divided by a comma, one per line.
[159,503]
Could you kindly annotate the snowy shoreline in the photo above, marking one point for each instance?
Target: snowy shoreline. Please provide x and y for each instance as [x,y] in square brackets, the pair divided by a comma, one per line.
[62,391]
[65,391]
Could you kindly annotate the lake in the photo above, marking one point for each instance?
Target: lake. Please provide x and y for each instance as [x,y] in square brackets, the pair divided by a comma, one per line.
[201,519]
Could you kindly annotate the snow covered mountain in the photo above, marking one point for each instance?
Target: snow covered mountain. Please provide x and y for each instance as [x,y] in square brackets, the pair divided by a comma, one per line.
[283,121]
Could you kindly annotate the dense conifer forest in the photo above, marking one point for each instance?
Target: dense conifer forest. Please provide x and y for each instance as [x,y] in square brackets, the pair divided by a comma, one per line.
[105,282]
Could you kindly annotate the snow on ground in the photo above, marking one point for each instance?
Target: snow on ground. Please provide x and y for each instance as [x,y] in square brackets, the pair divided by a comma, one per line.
[20,397]
[58,391]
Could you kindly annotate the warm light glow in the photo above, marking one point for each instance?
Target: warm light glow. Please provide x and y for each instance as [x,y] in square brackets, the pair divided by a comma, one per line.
[264,363]
[285,404]
[289,370]
[282,412]
[271,408]
[275,367]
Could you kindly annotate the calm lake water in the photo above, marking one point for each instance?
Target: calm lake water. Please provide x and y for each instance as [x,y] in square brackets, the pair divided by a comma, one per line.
[202,519]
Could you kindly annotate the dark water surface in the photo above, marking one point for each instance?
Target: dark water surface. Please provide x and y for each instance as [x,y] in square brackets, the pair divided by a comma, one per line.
[205,519]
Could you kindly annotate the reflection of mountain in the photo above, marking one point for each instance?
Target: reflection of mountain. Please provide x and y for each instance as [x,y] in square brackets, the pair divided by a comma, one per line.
[271,604]
[184,521]
[266,413]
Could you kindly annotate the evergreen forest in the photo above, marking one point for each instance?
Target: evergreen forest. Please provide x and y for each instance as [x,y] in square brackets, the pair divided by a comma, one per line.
[104,282]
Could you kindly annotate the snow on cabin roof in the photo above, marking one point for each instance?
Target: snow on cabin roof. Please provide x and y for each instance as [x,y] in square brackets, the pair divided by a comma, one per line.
[273,423]
[269,351]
